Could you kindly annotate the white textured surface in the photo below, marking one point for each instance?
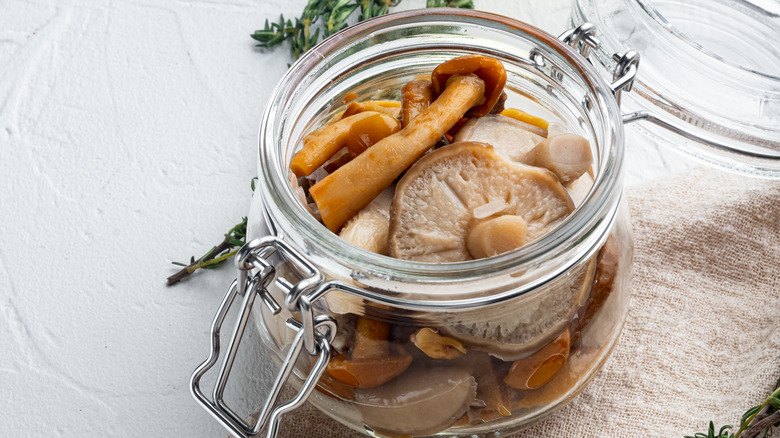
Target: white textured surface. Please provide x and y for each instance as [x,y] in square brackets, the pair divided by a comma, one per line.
[127,140]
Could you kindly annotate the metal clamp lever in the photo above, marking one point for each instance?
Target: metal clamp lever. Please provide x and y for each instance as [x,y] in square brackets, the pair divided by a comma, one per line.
[322,330]
[583,38]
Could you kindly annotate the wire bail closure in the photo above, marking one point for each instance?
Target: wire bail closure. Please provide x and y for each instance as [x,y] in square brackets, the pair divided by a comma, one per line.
[583,38]
[314,334]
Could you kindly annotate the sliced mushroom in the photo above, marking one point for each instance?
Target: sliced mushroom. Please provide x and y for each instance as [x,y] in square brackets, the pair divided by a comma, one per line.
[510,138]
[422,402]
[437,346]
[497,236]
[534,321]
[368,229]
[373,360]
[538,369]
[431,217]
[387,107]
[566,155]
[579,188]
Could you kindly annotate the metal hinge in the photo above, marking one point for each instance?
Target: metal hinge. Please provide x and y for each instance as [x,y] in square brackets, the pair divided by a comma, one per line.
[583,38]
[314,333]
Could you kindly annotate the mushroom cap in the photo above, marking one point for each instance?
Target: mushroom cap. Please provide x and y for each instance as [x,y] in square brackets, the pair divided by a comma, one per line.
[422,401]
[510,138]
[520,328]
[432,212]
[490,70]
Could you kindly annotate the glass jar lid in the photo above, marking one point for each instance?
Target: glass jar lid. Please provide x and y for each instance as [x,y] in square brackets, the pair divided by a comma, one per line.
[709,80]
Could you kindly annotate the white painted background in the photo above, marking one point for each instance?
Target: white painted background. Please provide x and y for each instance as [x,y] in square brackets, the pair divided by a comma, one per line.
[127,141]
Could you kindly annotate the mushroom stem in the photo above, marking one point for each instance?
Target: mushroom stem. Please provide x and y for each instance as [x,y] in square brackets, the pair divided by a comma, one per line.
[497,236]
[417,95]
[345,192]
[322,144]
[371,338]
[568,156]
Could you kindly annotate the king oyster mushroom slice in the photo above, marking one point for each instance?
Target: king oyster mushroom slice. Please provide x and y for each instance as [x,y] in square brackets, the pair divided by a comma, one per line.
[511,138]
[434,218]
[368,229]
[579,188]
[422,401]
[521,328]
[566,155]
[433,211]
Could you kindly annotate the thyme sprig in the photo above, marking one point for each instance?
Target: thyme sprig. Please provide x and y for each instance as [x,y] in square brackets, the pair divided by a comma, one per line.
[463,4]
[217,255]
[758,421]
[328,17]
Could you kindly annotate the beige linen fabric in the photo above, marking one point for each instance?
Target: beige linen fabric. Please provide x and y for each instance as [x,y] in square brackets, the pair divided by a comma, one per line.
[702,339]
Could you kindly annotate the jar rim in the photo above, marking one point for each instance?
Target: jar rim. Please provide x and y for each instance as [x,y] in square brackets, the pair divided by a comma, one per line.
[596,212]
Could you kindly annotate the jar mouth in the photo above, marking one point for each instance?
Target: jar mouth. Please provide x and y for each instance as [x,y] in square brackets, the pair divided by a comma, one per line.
[576,238]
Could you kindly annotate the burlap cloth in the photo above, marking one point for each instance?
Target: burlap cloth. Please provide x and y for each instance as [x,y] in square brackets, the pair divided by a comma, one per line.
[702,338]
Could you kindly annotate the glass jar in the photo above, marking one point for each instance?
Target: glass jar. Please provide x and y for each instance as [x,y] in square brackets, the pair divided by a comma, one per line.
[487,345]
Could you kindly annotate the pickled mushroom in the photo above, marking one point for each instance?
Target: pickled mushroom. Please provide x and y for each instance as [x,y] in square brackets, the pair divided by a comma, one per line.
[437,346]
[368,229]
[510,138]
[431,217]
[422,402]
[536,370]
[566,155]
[373,361]
[416,96]
[490,70]
[387,107]
[532,323]
[323,143]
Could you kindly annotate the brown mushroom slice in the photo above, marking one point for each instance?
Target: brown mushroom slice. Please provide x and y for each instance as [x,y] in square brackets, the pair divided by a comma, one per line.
[373,360]
[368,372]
[368,229]
[432,212]
[510,138]
[537,370]
[436,345]
[422,402]
[566,155]
[346,191]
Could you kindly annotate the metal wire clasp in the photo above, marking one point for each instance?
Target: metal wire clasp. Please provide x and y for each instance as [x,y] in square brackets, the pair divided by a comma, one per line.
[583,38]
[315,333]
